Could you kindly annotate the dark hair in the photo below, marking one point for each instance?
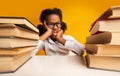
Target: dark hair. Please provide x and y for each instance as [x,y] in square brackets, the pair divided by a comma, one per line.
[47,12]
[44,15]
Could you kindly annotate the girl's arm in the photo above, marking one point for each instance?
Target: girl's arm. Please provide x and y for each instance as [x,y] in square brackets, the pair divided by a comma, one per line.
[74,45]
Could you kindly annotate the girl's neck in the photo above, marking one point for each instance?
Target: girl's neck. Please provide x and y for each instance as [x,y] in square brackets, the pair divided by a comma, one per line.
[54,39]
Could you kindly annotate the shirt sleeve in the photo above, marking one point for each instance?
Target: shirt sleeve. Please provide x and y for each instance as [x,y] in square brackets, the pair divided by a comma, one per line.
[40,45]
[73,45]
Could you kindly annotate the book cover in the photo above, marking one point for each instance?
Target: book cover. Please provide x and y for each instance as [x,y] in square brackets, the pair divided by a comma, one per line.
[103,62]
[21,21]
[17,31]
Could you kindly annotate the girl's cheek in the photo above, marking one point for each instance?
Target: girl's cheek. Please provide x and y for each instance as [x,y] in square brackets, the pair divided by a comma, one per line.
[59,28]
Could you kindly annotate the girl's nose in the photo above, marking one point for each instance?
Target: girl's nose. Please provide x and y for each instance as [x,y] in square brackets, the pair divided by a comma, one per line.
[55,26]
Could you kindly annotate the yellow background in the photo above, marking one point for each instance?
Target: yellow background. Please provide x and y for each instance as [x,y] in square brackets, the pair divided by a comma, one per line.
[78,14]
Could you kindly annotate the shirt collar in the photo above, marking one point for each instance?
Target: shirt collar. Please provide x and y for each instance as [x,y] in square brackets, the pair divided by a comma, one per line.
[51,41]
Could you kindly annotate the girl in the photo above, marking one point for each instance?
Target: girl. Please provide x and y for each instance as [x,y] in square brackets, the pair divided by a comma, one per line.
[52,39]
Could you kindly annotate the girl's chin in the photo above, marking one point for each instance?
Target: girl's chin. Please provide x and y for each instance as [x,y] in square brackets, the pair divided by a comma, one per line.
[54,35]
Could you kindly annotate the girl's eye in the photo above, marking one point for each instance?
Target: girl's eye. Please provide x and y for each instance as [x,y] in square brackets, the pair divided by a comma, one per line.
[50,24]
[58,23]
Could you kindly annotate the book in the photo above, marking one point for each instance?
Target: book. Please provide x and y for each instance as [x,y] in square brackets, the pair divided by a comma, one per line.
[20,21]
[14,30]
[103,49]
[103,62]
[112,12]
[111,25]
[104,38]
[12,63]
[14,42]
[16,51]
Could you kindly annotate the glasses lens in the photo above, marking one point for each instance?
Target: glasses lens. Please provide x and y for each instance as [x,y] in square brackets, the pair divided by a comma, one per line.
[58,23]
[51,25]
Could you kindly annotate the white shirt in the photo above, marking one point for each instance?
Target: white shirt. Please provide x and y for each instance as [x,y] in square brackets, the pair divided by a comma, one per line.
[56,48]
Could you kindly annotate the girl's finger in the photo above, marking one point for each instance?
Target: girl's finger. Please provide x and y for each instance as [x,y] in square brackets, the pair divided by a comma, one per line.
[45,24]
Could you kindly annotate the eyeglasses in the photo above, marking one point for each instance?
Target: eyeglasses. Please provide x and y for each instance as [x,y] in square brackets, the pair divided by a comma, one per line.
[51,25]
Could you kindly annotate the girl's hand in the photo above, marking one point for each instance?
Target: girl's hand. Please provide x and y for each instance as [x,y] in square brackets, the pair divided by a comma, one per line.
[47,34]
[48,29]
[59,35]
[60,38]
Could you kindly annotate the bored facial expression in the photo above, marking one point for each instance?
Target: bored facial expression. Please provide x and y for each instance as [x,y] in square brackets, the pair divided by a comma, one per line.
[54,23]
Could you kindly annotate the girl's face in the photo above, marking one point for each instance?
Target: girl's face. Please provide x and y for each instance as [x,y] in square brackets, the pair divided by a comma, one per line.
[53,22]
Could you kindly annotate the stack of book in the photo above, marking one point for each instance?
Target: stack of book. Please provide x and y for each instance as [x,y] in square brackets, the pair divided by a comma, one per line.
[103,45]
[18,38]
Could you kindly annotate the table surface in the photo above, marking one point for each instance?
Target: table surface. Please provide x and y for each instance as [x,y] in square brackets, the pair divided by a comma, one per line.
[58,66]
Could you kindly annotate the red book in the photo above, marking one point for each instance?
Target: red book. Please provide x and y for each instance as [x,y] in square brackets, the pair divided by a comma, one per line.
[112,14]
[111,25]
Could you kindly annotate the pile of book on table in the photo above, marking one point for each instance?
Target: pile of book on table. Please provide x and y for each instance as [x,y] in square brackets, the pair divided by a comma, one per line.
[103,45]
[18,38]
